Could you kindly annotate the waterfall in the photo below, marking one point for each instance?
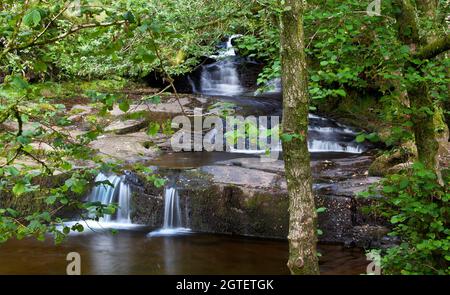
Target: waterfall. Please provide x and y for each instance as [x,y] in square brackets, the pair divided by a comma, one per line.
[324,136]
[172,211]
[119,193]
[222,77]
[173,222]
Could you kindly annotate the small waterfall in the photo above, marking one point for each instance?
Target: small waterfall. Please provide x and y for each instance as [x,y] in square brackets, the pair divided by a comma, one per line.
[221,77]
[173,222]
[324,136]
[228,49]
[172,211]
[119,193]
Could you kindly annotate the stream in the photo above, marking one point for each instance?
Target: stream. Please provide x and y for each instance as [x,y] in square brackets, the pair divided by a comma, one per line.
[130,252]
[134,251]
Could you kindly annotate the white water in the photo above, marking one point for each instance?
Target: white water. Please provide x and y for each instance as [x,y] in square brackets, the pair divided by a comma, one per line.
[173,223]
[321,146]
[221,78]
[119,193]
[272,86]
[314,146]
[229,49]
[324,136]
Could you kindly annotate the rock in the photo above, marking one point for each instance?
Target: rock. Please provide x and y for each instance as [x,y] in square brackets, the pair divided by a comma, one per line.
[128,126]
[255,163]
[336,221]
[170,106]
[248,197]
[245,177]
[382,164]
[367,236]
[129,148]
[78,112]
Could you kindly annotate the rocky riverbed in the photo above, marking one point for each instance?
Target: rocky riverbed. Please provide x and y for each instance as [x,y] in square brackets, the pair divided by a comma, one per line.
[246,197]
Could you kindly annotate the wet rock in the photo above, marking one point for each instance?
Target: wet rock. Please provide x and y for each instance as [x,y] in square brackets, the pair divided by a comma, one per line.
[247,197]
[336,221]
[245,177]
[256,163]
[367,236]
[234,210]
[346,188]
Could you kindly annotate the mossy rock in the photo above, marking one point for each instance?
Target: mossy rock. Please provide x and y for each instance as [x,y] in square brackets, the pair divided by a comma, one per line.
[393,162]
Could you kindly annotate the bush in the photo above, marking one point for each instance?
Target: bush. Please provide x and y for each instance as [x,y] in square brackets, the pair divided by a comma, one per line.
[418,209]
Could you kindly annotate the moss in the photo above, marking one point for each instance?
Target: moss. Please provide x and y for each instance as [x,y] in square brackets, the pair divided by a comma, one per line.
[76,88]
[35,202]
[439,122]
[384,163]
[355,109]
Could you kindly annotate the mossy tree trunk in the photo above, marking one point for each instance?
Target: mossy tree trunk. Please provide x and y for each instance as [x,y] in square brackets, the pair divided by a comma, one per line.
[424,111]
[302,212]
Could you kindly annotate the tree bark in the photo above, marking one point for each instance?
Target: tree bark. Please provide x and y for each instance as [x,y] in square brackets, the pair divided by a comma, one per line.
[302,211]
[421,101]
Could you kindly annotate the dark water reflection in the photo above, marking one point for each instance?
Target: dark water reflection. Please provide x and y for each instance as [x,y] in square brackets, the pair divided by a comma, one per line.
[131,252]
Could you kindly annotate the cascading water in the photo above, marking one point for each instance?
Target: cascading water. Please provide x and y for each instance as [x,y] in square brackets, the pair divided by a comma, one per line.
[221,77]
[173,222]
[172,210]
[324,136]
[118,192]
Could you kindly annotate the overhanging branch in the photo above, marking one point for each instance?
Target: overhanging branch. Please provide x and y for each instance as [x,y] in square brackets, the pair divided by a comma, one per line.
[434,48]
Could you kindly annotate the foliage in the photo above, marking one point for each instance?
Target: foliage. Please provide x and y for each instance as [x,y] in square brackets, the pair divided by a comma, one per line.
[54,40]
[418,209]
[35,139]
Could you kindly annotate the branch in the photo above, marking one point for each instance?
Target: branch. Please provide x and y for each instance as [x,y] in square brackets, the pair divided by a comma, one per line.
[434,48]
[169,78]
[49,24]
[9,46]
[72,31]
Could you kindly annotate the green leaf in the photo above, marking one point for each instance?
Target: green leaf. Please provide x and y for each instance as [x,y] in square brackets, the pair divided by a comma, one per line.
[153,129]
[397,218]
[360,138]
[19,188]
[66,230]
[13,171]
[18,83]
[388,189]
[155,99]
[32,18]
[129,16]
[321,209]
[159,182]
[51,200]
[66,166]
[124,106]
[12,212]
[341,92]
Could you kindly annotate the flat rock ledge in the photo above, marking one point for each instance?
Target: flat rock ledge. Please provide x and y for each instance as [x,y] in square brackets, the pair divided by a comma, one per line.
[246,197]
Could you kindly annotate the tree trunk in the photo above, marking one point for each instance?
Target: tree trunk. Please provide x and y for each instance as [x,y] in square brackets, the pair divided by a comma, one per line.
[421,102]
[302,212]
[424,127]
